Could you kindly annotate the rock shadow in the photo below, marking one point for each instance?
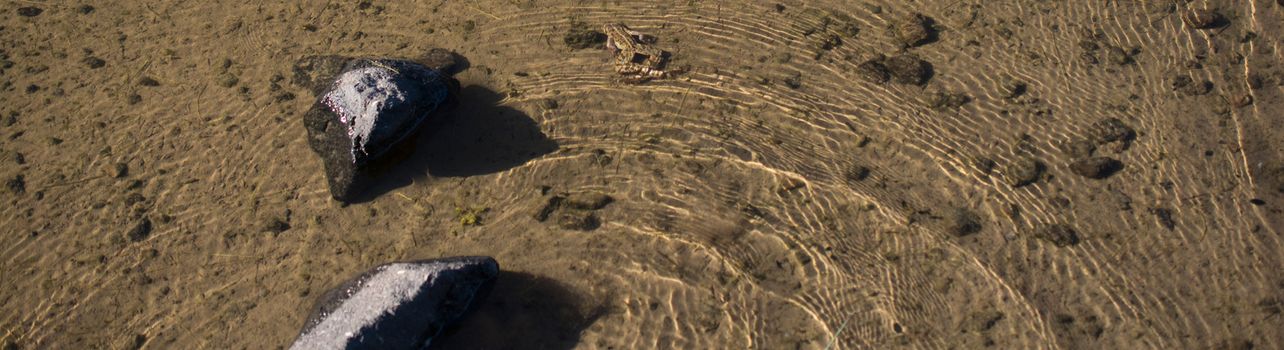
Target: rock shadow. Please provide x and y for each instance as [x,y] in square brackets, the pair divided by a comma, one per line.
[523,311]
[478,136]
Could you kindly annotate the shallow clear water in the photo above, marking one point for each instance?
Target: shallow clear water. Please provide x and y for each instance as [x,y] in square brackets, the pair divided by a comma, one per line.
[768,198]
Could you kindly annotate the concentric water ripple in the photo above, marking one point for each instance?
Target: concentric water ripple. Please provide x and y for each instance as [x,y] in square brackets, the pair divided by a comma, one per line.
[768,198]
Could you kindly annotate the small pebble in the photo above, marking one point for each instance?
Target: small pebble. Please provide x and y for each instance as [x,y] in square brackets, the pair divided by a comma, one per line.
[1023,171]
[1165,217]
[276,225]
[1096,167]
[228,80]
[30,11]
[94,62]
[1204,19]
[141,230]
[1059,234]
[120,170]
[588,201]
[964,222]
[16,185]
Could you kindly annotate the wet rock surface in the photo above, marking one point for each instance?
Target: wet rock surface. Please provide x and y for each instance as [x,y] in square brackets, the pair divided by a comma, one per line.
[367,107]
[400,305]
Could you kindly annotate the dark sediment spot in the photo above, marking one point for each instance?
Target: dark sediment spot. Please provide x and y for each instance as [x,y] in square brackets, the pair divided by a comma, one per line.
[1118,55]
[874,71]
[148,81]
[579,36]
[780,8]
[942,100]
[588,201]
[1235,343]
[981,321]
[1110,130]
[33,88]
[1165,217]
[134,198]
[914,30]
[94,62]
[857,173]
[1089,326]
[1204,19]
[134,99]
[908,69]
[18,158]
[582,220]
[283,96]
[793,81]
[1023,171]
[1187,85]
[120,170]
[1059,234]
[1014,88]
[963,222]
[30,11]
[831,42]
[1257,202]
[1277,178]
[276,225]
[1096,167]
[228,80]
[984,165]
[16,185]
[550,206]
[85,9]
[141,230]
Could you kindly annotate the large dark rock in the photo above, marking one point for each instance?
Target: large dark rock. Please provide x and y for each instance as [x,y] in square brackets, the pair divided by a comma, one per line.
[398,305]
[367,107]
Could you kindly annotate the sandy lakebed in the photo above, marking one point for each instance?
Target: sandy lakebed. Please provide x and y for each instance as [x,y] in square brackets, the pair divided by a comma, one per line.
[824,174]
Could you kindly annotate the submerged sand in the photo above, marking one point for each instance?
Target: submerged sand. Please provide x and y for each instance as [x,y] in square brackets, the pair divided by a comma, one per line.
[161,192]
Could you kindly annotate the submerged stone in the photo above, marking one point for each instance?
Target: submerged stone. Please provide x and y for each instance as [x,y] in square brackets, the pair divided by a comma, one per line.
[367,107]
[398,305]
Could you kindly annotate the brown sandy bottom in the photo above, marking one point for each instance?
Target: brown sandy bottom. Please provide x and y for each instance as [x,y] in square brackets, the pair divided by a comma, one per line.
[769,198]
